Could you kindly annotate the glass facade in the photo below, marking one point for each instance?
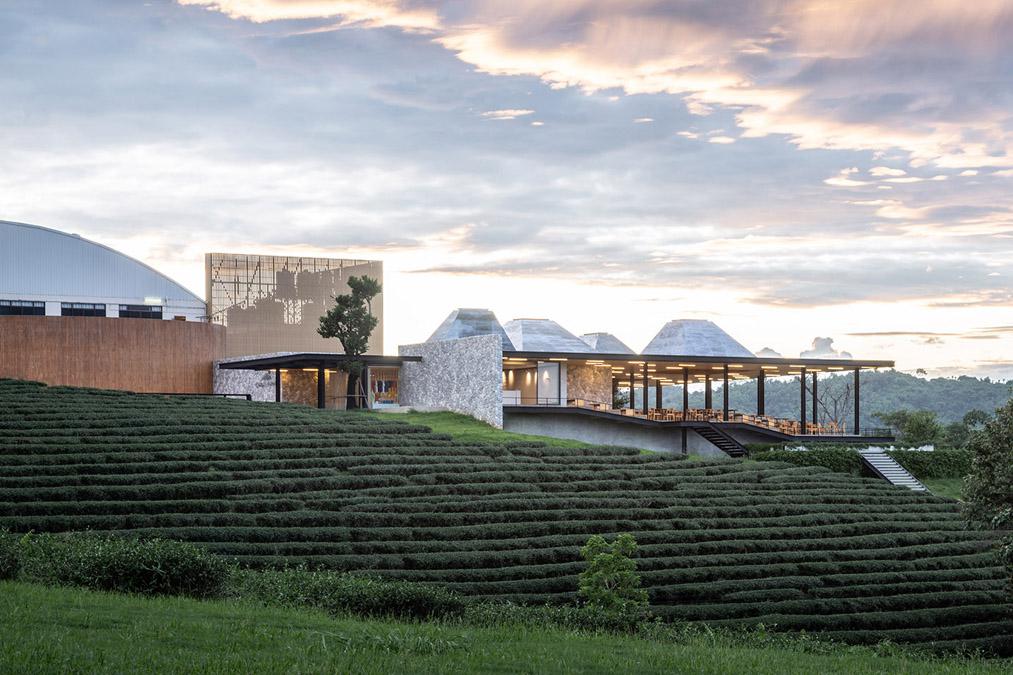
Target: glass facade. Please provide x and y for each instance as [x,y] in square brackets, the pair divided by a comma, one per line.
[140,312]
[274,303]
[82,309]
[22,308]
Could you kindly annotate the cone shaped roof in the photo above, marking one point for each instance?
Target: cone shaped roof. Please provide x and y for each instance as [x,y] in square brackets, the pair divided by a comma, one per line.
[542,335]
[694,337]
[467,322]
[606,343]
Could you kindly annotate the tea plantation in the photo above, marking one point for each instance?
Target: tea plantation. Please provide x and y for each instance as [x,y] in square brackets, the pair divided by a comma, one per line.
[724,542]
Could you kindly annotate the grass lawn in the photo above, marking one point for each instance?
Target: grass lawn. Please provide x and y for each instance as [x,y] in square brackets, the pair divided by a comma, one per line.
[58,630]
[945,487]
[465,428]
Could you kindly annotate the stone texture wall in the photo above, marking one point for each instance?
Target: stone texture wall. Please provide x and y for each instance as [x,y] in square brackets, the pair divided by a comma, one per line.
[589,383]
[463,375]
[299,386]
[258,383]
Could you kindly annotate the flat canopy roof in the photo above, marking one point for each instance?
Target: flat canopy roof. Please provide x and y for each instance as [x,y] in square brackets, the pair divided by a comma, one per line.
[670,367]
[311,360]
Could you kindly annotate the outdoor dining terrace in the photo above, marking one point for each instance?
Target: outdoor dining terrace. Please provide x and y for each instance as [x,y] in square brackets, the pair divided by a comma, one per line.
[639,382]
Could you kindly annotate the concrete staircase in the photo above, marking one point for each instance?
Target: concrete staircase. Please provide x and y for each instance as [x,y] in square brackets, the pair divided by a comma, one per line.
[719,438]
[887,468]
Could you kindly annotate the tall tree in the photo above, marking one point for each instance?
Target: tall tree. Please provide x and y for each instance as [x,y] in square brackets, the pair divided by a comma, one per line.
[989,488]
[351,321]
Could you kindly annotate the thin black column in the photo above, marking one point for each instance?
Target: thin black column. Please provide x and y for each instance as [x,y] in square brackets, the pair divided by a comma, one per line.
[801,380]
[645,388]
[708,398]
[816,414]
[658,394]
[685,393]
[761,398]
[857,427]
[277,385]
[615,391]
[632,404]
[724,414]
[321,388]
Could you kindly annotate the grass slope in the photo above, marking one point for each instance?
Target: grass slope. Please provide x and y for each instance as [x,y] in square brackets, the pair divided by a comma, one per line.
[723,542]
[56,630]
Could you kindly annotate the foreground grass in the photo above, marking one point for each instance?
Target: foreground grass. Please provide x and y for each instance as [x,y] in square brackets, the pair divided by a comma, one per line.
[465,428]
[59,630]
[945,487]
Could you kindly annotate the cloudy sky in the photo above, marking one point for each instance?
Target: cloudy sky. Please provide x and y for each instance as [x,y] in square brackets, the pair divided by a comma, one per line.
[789,169]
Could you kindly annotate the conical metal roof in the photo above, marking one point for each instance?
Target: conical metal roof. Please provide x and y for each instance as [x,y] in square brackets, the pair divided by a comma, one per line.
[606,343]
[694,337]
[468,322]
[542,335]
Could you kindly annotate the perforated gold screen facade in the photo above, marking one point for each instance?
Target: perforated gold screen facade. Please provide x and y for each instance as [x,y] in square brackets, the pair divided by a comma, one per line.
[274,303]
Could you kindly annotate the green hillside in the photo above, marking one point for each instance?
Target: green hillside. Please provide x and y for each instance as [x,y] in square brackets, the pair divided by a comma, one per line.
[721,541]
[61,630]
[882,391]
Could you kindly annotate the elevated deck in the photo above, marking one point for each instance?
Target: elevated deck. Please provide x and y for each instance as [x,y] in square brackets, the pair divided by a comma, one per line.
[705,435]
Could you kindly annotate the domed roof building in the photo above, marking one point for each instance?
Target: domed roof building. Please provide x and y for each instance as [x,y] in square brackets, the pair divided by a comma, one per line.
[47,272]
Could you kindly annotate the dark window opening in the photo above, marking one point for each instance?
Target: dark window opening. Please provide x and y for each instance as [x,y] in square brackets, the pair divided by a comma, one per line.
[140,312]
[22,308]
[82,309]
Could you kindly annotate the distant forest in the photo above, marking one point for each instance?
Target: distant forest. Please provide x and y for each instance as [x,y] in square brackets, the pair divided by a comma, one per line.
[882,391]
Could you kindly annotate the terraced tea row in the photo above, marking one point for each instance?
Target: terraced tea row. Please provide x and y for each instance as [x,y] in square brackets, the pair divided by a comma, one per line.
[721,541]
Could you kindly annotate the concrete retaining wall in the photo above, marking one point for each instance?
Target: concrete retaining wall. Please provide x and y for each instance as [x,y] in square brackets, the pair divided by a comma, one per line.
[600,431]
[464,375]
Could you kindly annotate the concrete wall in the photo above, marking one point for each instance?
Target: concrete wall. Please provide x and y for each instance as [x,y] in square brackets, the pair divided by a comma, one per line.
[589,383]
[463,375]
[600,431]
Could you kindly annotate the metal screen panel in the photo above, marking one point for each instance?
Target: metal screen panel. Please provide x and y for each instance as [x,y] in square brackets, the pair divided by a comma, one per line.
[274,303]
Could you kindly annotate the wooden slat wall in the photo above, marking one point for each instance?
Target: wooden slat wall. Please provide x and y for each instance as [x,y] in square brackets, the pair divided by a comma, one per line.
[143,355]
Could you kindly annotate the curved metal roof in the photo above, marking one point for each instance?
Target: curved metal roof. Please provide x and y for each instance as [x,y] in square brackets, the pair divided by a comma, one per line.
[694,337]
[467,322]
[38,261]
[542,335]
[606,343]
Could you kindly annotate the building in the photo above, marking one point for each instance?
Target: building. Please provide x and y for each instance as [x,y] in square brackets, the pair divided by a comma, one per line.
[75,312]
[533,376]
[273,304]
[71,313]
[45,272]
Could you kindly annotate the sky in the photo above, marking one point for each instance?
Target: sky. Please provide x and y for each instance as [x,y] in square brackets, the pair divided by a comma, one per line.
[790,169]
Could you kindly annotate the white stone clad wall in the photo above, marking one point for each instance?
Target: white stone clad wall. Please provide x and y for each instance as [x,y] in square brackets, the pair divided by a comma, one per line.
[258,383]
[464,375]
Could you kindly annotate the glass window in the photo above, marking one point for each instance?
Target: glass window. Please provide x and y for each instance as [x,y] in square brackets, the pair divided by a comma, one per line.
[140,312]
[22,308]
[82,309]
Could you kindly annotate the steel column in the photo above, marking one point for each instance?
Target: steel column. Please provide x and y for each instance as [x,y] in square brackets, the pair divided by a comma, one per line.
[658,394]
[615,391]
[277,385]
[801,380]
[708,398]
[632,378]
[816,415]
[685,407]
[321,388]
[685,393]
[724,414]
[857,384]
[646,384]
[761,398]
